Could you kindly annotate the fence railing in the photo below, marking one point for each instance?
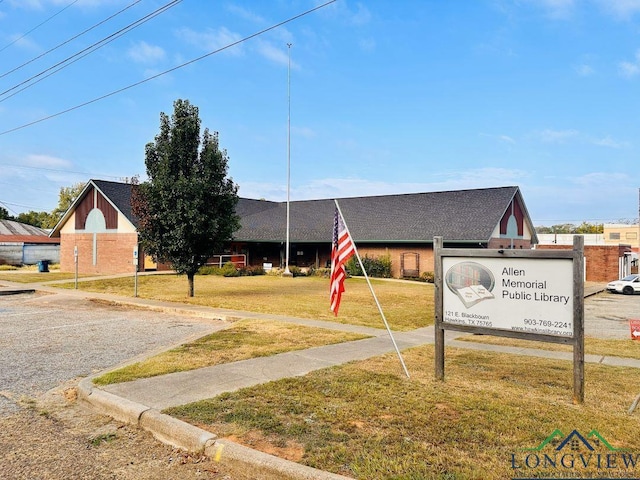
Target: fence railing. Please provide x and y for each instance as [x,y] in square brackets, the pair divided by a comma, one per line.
[239,260]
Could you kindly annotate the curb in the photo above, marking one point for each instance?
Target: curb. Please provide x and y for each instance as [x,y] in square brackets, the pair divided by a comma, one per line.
[185,436]
[16,291]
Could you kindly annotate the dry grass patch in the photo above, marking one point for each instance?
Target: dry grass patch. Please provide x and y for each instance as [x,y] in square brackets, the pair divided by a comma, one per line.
[594,346]
[35,277]
[245,339]
[367,421]
[406,305]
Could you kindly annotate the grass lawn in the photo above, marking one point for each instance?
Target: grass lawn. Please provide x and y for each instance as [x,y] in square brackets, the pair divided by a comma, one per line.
[366,420]
[33,276]
[406,305]
[245,339]
[594,346]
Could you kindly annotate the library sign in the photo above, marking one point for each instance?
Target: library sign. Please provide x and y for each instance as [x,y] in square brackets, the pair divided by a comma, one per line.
[517,294]
[524,294]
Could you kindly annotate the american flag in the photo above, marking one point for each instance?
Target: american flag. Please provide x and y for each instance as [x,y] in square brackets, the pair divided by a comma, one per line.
[341,251]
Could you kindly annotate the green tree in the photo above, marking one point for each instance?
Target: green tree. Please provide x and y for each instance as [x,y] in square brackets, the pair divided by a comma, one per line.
[586,227]
[66,197]
[4,214]
[37,219]
[186,208]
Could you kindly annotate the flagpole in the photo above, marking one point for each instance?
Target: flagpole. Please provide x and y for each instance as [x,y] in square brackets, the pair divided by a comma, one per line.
[384,319]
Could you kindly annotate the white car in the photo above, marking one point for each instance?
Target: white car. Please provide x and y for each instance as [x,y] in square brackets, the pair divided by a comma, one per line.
[628,285]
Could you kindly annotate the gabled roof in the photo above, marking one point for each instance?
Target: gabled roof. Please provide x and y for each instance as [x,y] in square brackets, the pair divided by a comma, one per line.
[465,216]
[117,193]
[461,216]
[16,232]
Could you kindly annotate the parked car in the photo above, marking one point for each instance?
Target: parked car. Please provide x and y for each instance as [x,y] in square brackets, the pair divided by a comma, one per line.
[627,285]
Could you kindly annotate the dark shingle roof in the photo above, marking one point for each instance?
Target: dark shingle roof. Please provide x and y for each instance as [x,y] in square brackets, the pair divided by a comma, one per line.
[120,196]
[461,215]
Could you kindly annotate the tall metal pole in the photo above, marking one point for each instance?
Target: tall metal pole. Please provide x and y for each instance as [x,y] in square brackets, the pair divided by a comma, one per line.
[287,248]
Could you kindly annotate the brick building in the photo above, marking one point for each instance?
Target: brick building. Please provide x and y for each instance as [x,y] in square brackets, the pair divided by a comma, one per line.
[100,227]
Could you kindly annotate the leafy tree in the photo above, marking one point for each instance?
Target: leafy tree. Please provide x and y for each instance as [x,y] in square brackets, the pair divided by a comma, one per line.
[584,227]
[186,208]
[37,219]
[4,214]
[66,197]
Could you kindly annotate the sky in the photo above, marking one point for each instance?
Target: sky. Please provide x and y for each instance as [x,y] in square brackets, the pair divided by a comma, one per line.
[356,98]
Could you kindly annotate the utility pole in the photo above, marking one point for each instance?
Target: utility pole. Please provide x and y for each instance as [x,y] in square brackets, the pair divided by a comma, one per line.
[287,273]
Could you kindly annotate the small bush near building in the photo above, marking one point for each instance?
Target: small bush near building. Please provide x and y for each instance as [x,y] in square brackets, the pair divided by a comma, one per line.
[250,271]
[427,277]
[230,270]
[319,272]
[379,267]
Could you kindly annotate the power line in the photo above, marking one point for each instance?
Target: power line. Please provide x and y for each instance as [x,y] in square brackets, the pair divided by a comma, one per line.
[70,39]
[120,90]
[37,26]
[88,174]
[86,51]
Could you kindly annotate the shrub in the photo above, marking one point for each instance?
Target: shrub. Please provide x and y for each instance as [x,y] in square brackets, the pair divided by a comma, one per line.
[297,271]
[428,277]
[319,272]
[209,270]
[376,267]
[250,271]
[230,270]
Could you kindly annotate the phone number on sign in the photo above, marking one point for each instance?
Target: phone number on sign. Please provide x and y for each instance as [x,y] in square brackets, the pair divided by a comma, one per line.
[547,323]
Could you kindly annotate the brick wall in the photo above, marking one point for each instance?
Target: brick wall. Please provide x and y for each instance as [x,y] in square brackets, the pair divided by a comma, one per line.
[602,261]
[114,253]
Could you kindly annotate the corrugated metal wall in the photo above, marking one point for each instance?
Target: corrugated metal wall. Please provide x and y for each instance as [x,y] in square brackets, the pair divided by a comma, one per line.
[18,254]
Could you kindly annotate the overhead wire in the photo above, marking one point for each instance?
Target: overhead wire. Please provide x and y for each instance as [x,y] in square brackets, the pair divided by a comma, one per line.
[37,26]
[85,51]
[145,80]
[60,171]
[70,39]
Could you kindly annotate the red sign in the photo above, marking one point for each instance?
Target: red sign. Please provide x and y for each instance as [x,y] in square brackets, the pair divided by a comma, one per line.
[634,324]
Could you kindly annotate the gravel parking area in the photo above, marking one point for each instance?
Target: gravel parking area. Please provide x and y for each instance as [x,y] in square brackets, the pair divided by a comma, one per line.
[47,343]
[48,339]
[606,315]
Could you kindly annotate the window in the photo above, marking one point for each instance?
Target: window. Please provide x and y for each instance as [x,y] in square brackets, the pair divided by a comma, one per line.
[614,236]
[631,235]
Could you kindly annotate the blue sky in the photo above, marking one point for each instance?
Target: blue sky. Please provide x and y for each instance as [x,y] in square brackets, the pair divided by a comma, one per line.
[386,97]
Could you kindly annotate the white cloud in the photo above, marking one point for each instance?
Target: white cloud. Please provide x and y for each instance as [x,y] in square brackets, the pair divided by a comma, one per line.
[273,53]
[609,142]
[367,44]
[357,15]
[245,14]
[555,9]
[500,138]
[622,9]
[355,186]
[584,70]
[630,69]
[46,161]
[142,52]
[600,180]
[304,132]
[557,136]
[212,39]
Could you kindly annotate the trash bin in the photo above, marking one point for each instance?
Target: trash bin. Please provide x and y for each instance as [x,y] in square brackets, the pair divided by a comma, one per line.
[43,266]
